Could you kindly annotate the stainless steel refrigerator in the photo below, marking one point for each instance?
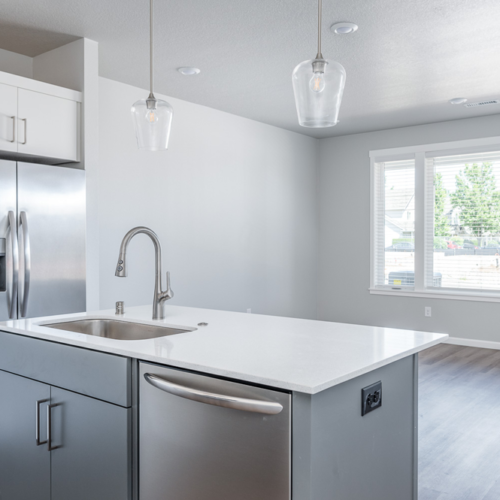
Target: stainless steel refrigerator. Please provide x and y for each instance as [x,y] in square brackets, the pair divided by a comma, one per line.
[42,240]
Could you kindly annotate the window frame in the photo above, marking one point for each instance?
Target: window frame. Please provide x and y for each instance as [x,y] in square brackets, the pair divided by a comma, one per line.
[420,153]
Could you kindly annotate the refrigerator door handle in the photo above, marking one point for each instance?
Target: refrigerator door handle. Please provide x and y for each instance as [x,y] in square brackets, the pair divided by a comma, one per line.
[14,252]
[26,264]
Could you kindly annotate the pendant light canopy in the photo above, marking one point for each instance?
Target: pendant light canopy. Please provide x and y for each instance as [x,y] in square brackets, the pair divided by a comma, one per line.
[318,85]
[152,117]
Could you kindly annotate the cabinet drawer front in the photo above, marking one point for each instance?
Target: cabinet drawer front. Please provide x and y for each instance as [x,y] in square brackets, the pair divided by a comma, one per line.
[96,374]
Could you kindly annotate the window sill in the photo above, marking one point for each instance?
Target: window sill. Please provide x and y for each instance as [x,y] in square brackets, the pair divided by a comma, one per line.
[435,294]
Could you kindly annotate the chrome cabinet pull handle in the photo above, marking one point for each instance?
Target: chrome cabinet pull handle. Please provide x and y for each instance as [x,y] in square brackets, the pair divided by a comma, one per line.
[26,263]
[14,263]
[49,428]
[13,129]
[251,405]
[37,421]
[25,120]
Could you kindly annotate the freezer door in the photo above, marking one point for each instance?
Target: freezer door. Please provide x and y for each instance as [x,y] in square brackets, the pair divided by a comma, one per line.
[51,228]
[202,438]
[8,239]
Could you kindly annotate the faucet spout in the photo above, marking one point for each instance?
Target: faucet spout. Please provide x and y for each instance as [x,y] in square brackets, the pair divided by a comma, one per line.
[160,296]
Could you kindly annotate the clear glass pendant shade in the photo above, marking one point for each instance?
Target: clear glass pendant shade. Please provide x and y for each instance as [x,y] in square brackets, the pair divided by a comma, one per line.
[318,85]
[152,117]
[152,121]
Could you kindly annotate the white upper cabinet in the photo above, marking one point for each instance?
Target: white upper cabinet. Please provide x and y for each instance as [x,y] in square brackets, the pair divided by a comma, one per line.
[38,121]
[47,125]
[8,115]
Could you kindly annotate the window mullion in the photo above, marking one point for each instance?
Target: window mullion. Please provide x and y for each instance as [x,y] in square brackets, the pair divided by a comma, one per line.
[419,221]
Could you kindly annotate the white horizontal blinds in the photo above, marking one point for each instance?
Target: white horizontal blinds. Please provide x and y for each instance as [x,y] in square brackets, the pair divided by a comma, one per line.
[395,224]
[379,236]
[466,213]
[429,201]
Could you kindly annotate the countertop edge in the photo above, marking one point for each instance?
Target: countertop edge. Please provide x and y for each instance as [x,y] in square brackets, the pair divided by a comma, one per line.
[277,384]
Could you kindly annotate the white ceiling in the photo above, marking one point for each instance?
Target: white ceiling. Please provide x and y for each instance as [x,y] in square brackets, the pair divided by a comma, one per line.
[408,58]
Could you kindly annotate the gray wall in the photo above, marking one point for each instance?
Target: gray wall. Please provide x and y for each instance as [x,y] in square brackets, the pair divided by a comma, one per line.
[17,64]
[233,201]
[344,237]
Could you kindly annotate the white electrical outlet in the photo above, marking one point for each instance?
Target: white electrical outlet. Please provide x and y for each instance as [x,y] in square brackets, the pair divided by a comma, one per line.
[428,312]
[249,311]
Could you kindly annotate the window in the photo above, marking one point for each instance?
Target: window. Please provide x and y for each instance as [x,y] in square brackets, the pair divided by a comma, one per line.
[396,222]
[436,220]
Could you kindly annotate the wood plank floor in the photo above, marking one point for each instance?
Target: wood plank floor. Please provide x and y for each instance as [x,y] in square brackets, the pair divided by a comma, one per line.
[459,423]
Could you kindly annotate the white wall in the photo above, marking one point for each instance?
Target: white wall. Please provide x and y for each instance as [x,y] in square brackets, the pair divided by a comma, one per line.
[233,202]
[344,242]
[17,64]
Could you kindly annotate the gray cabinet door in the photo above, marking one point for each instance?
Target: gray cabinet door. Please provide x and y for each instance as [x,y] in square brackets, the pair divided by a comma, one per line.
[24,466]
[93,461]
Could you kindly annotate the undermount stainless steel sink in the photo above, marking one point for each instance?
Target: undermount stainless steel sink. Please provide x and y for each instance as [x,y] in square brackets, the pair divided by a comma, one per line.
[118,330]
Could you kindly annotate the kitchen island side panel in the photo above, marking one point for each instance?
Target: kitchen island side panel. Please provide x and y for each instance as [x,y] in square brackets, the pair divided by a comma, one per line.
[353,456]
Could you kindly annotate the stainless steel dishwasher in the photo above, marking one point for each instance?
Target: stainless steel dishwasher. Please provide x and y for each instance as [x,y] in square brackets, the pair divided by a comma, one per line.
[203,438]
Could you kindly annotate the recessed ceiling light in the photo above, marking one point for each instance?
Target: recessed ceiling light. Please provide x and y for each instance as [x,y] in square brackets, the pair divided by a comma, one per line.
[188,71]
[458,100]
[343,28]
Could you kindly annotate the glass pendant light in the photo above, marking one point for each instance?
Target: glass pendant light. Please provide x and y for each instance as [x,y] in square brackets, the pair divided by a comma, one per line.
[152,117]
[318,85]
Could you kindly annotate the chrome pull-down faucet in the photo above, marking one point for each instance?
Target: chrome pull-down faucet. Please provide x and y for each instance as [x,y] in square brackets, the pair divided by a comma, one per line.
[160,296]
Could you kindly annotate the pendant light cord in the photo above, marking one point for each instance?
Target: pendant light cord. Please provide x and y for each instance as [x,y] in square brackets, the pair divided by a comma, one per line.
[151,46]
[320,8]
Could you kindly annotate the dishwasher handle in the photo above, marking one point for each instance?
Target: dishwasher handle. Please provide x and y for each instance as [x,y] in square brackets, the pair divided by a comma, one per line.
[243,404]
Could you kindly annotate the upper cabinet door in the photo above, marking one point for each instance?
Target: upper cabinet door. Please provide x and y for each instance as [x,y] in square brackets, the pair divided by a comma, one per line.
[47,125]
[8,113]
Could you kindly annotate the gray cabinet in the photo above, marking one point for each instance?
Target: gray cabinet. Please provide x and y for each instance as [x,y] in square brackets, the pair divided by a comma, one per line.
[90,453]
[88,397]
[24,466]
[92,457]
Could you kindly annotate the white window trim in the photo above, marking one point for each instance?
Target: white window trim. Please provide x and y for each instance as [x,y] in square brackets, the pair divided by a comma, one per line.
[410,292]
[420,153]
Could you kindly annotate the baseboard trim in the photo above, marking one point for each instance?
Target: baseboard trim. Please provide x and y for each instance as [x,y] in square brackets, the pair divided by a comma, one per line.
[485,344]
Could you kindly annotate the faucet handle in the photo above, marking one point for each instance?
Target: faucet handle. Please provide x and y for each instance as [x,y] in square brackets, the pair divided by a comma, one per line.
[168,292]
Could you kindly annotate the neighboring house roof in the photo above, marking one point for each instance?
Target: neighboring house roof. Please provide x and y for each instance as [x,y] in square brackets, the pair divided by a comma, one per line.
[399,225]
[400,199]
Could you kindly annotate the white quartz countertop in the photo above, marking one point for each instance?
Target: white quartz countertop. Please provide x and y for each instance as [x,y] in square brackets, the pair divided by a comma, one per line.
[300,355]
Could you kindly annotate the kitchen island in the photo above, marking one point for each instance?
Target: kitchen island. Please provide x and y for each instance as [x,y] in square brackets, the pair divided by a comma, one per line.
[347,393]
